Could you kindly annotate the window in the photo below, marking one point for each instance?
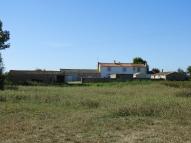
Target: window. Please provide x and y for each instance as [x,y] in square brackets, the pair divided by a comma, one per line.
[109,68]
[124,69]
[138,69]
[134,69]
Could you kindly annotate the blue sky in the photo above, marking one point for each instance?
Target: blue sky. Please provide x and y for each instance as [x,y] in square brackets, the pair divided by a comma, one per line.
[54,34]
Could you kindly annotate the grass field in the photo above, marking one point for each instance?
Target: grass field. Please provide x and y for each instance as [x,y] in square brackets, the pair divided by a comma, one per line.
[132,112]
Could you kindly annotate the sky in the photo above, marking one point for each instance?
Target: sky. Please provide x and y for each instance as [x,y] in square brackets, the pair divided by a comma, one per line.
[54,34]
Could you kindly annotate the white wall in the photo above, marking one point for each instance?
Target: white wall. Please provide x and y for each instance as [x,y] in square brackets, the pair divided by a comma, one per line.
[158,77]
[120,70]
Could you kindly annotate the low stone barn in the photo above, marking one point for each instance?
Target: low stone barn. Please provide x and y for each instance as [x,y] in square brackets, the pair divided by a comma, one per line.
[24,76]
[78,74]
[170,76]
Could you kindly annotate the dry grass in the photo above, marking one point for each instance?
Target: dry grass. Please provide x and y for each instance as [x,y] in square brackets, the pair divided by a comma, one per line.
[118,112]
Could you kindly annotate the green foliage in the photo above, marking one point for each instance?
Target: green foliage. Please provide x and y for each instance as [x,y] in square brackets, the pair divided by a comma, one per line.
[139,60]
[155,70]
[189,69]
[4,37]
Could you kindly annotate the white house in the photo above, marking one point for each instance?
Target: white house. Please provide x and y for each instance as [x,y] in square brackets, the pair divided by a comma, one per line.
[106,69]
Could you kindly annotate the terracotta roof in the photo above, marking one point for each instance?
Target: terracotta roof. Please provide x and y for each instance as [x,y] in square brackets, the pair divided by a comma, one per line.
[120,65]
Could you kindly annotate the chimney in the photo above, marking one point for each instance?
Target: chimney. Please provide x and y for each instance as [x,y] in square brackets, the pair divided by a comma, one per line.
[98,66]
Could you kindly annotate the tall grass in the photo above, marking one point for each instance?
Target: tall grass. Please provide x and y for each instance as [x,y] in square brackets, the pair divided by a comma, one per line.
[137,111]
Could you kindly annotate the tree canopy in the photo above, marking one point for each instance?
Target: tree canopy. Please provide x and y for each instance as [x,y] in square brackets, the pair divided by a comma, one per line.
[155,70]
[139,60]
[4,37]
[180,70]
[189,69]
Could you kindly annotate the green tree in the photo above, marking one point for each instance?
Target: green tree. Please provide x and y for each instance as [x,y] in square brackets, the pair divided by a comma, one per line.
[180,70]
[189,69]
[4,38]
[139,60]
[155,70]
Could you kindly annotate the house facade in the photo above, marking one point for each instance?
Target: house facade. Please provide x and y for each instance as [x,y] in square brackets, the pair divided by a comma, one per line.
[107,69]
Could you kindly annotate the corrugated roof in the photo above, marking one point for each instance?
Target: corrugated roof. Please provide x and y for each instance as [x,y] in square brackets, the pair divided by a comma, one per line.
[120,65]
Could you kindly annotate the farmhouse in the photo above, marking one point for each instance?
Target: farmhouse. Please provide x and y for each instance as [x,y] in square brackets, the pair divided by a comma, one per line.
[78,74]
[169,76]
[107,69]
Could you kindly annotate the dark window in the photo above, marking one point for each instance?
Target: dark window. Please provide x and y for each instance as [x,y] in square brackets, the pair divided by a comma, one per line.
[138,69]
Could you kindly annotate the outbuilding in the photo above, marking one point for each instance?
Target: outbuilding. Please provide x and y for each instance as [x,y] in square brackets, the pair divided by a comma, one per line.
[43,76]
[78,74]
[170,76]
